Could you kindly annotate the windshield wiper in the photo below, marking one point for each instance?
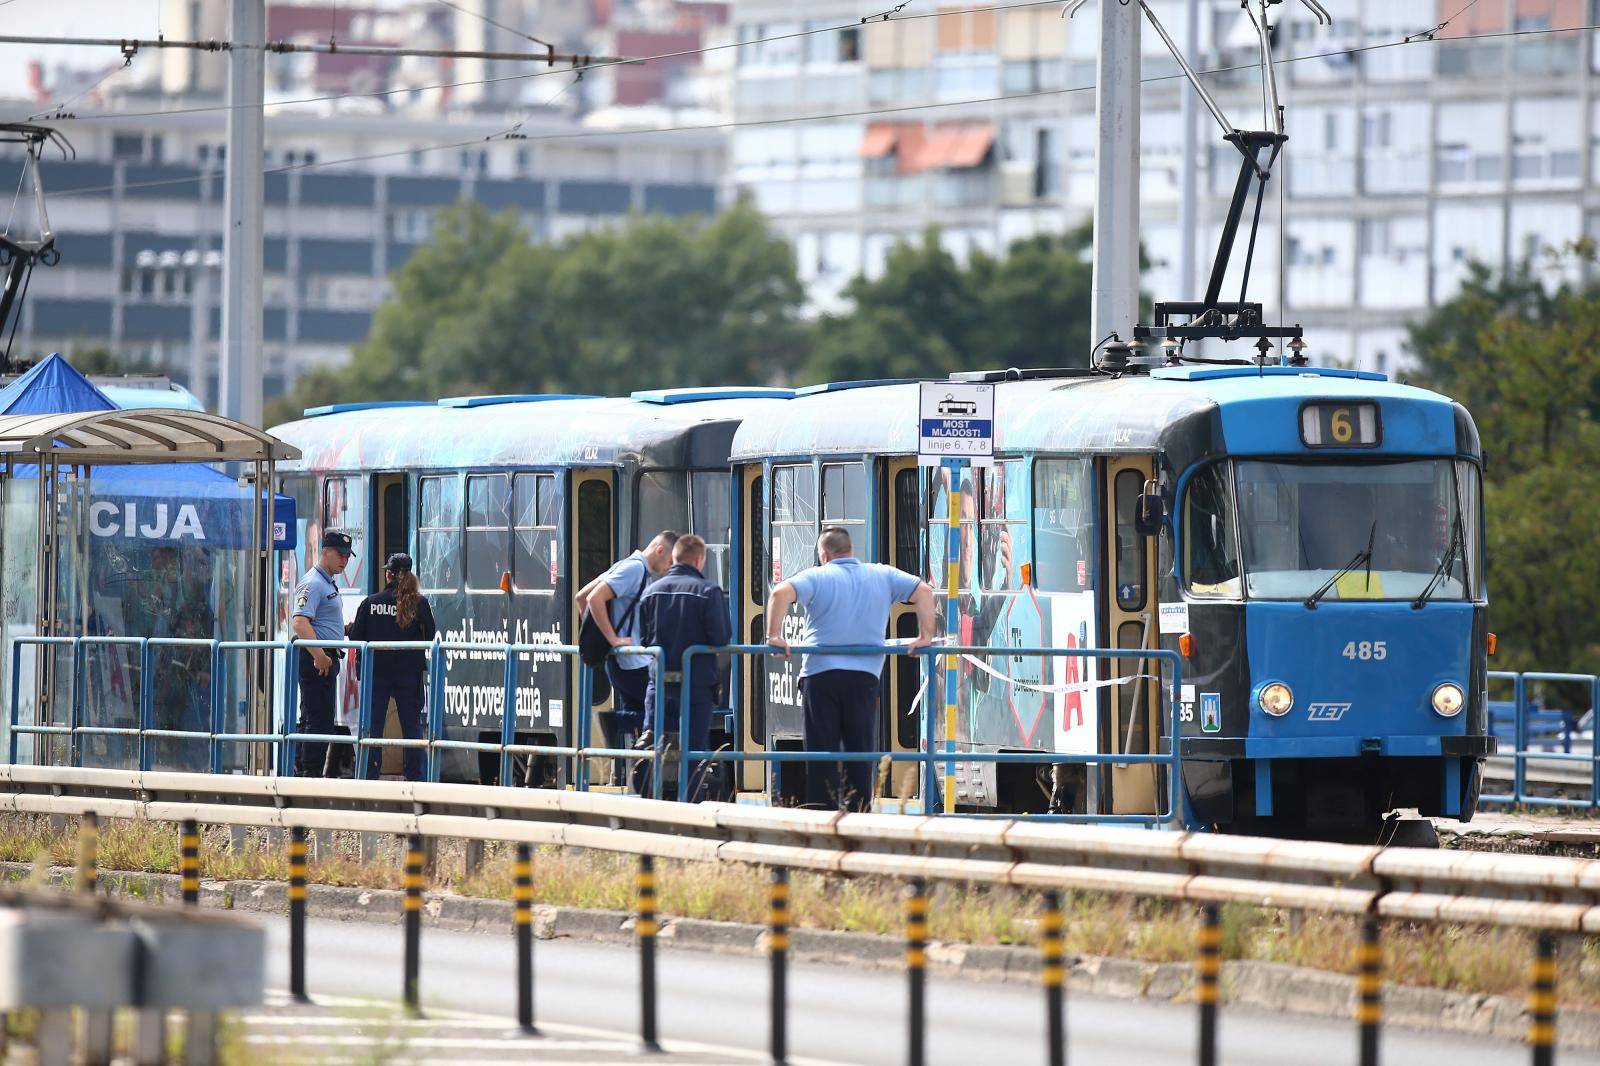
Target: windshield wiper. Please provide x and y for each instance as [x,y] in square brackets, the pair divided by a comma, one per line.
[1446,562]
[1364,556]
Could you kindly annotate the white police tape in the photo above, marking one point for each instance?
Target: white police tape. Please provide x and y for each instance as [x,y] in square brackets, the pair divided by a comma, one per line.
[1073,686]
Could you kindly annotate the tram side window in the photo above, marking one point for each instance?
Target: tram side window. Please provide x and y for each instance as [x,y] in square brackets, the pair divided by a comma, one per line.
[344,510]
[844,501]
[757,550]
[663,504]
[536,503]
[907,530]
[1131,547]
[936,496]
[1063,525]
[439,533]
[794,520]
[711,518]
[488,530]
[1004,540]
[1211,552]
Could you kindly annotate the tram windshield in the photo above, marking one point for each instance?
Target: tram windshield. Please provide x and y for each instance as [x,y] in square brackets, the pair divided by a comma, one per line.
[1359,531]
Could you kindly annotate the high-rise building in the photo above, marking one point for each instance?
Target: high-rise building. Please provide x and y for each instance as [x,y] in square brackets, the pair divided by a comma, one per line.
[1406,161]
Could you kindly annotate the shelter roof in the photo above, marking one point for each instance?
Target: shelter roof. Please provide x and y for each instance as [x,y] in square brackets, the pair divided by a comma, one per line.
[152,435]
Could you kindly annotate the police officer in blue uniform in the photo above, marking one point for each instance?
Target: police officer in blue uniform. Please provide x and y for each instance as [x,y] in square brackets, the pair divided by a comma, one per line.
[682,609]
[318,615]
[399,612]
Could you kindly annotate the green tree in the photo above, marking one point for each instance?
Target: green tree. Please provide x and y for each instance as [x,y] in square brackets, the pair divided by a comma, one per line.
[927,314]
[1522,360]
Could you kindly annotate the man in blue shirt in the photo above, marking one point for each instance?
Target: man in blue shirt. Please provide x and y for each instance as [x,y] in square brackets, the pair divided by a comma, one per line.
[613,600]
[319,615]
[846,602]
[681,610]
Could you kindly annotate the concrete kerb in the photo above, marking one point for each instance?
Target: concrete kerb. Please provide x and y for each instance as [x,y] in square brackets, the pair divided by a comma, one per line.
[1246,983]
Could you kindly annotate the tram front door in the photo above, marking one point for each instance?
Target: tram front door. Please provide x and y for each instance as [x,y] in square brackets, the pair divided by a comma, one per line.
[1131,711]
[591,550]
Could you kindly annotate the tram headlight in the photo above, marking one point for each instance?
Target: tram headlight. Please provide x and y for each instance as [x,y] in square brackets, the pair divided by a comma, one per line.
[1276,699]
[1448,699]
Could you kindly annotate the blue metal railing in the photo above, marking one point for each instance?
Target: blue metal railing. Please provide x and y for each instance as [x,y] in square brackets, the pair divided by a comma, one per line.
[930,757]
[284,737]
[1526,719]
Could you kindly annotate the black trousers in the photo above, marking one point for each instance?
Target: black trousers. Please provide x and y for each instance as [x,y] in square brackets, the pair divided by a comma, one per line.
[316,716]
[407,694]
[627,690]
[841,714]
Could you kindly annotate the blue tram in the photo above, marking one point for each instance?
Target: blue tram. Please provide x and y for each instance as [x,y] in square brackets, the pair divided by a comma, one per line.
[509,504]
[1309,540]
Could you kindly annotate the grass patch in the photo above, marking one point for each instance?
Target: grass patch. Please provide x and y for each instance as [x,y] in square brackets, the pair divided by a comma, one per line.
[1459,958]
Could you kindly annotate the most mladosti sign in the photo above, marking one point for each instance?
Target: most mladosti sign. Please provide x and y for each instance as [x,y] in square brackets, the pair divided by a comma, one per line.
[957,422]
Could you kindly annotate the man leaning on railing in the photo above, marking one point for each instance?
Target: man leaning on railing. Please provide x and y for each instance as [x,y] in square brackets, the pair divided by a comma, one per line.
[846,602]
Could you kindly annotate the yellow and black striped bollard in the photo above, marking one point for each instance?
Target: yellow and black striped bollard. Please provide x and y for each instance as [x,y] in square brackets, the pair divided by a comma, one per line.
[1207,969]
[1542,1002]
[522,913]
[778,945]
[413,920]
[189,862]
[645,925]
[1053,975]
[297,914]
[88,871]
[1369,991]
[916,970]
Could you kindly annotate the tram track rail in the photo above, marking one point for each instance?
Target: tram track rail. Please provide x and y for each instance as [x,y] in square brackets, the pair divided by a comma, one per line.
[1545,893]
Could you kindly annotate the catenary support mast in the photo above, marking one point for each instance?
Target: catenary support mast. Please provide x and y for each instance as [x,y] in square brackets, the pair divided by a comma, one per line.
[239,392]
[1116,206]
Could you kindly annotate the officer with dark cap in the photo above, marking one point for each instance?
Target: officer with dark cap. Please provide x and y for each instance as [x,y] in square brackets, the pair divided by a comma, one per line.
[318,615]
[399,612]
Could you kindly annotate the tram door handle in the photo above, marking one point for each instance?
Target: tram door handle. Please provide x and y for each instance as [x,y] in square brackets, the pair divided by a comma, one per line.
[1138,692]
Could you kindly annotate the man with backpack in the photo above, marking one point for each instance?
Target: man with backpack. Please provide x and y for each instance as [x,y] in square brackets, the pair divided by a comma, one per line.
[612,600]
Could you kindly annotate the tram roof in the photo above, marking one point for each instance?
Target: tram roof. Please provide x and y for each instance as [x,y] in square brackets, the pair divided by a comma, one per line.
[523,431]
[1228,406]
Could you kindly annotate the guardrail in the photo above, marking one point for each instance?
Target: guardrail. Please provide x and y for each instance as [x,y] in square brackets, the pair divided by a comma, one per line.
[1544,895]
[283,739]
[1523,752]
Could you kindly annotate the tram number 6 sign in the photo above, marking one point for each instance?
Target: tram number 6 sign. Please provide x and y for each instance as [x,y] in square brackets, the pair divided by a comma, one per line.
[957,422]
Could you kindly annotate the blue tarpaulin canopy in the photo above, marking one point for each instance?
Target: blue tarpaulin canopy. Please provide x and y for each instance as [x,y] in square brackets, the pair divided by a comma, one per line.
[176,503]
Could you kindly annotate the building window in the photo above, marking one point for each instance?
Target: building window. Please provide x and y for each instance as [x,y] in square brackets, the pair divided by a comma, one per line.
[412,225]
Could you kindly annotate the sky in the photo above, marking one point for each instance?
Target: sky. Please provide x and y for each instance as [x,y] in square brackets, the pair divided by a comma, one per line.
[70,18]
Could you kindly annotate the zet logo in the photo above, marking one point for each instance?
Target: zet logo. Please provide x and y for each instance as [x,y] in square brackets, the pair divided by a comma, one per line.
[1326,712]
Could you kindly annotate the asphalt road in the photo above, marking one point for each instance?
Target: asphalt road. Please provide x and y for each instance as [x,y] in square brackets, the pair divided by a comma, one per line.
[837,1014]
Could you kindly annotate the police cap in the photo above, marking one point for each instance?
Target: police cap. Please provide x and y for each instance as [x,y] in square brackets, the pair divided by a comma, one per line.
[339,542]
[399,563]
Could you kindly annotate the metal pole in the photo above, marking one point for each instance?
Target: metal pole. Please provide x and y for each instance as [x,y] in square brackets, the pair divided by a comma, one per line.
[778,945]
[522,899]
[413,919]
[297,914]
[952,616]
[1188,221]
[1052,974]
[243,241]
[645,926]
[88,871]
[916,961]
[1369,988]
[1542,1002]
[1209,965]
[189,868]
[1116,205]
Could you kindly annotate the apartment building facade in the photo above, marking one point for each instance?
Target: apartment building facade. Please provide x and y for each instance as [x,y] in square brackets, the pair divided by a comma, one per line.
[1406,161]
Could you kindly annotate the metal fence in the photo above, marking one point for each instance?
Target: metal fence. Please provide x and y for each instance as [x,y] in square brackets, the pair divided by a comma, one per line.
[937,756]
[1534,745]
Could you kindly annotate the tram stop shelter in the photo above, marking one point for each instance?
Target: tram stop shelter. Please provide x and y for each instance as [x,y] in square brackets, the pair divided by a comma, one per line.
[116,525]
